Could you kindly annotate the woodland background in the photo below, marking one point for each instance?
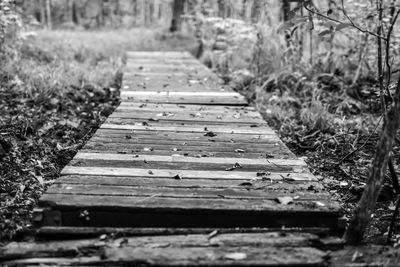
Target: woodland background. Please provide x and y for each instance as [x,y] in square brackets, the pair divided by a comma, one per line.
[311,67]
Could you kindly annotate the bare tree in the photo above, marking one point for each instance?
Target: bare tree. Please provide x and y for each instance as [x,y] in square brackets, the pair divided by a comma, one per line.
[221,8]
[256,11]
[48,14]
[69,6]
[176,22]
[285,10]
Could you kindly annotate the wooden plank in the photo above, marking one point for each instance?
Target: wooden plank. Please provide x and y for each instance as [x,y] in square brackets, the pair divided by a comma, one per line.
[155,203]
[201,193]
[187,145]
[278,163]
[51,232]
[156,121]
[186,136]
[157,54]
[297,174]
[166,61]
[91,247]
[179,111]
[144,68]
[149,139]
[200,154]
[162,83]
[131,106]
[222,98]
[275,185]
[180,116]
[124,147]
[191,94]
[189,128]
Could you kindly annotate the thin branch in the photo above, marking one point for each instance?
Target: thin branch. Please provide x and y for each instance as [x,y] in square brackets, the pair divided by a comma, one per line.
[393,175]
[388,65]
[393,221]
[340,22]
[379,47]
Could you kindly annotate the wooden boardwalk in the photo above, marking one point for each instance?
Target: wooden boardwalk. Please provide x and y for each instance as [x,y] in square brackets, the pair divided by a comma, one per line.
[183,157]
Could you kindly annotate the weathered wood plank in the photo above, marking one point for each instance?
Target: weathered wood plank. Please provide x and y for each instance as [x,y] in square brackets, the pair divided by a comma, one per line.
[296,174]
[156,54]
[266,163]
[156,203]
[51,232]
[160,68]
[202,99]
[275,185]
[132,106]
[165,83]
[171,116]
[155,244]
[203,193]
[192,129]
[182,137]
[125,147]
[134,152]
[244,147]
[156,121]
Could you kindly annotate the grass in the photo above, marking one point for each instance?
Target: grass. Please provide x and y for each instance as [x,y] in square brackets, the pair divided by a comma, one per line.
[55,90]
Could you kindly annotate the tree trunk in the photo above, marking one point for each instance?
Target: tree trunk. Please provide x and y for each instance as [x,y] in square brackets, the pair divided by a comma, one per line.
[243,13]
[221,8]
[256,11]
[69,6]
[285,10]
[48,14]
[362,214]
[76,16]
[156,11]
[42,5]
[101,19]
[177,12]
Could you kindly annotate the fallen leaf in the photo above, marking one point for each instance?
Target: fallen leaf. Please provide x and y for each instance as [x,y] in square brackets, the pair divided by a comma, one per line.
[246,184]
[235,166]
[239,150]
[178,177]
[150,172]
[148,149]
[210,134]
[236,256]
[284,200]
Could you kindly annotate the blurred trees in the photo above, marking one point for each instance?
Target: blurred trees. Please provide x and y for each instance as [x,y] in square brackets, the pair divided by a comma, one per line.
[131,13]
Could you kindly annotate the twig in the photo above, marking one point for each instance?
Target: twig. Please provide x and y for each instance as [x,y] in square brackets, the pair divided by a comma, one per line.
[360,147]
[379,47]
[340,22]
[388,66]
[393,175]
[393,221]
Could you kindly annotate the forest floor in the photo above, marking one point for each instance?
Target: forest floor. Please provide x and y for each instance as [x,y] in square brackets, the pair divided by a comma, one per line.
[63,84]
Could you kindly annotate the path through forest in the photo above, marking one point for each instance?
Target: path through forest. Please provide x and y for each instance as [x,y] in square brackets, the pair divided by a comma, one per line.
[191,174]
